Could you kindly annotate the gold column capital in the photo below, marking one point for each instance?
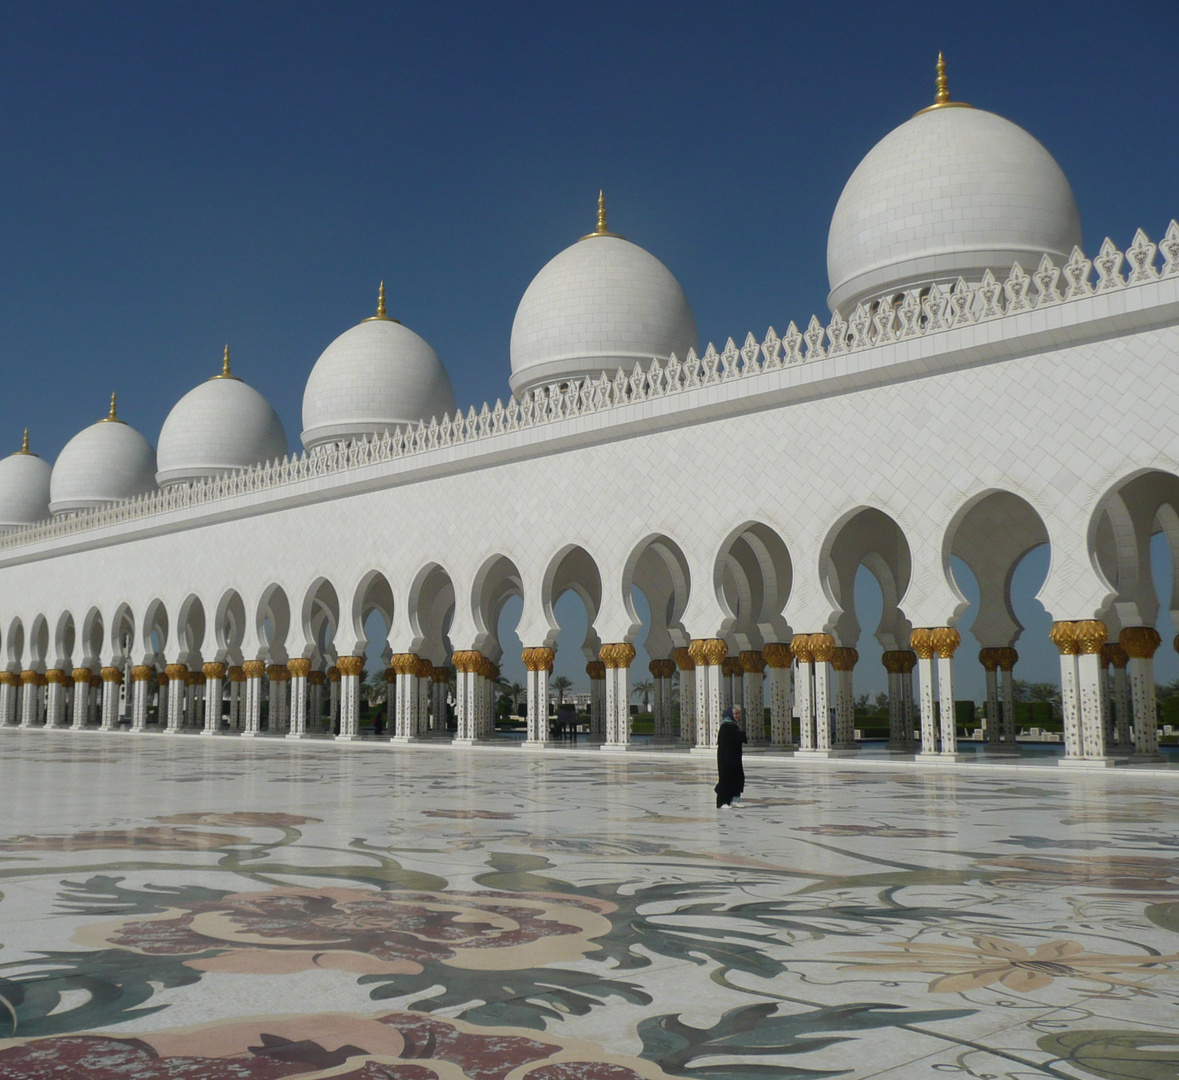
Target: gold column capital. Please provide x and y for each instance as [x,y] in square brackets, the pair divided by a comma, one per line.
[28,677]
[822,648]
[405,663]
[921,642]
[1007,658]
[111,674]
[175,671]
[213,670]
[800,648]
[9,678]
[299,667]
[1113,653]
[1063,635]
[617,654]
[844,659]
[777,655]
[333,674]
[1091,635]
[253,669]
[236,674]
[595,669]
[55,676]
[946,641]
[715,651]
[81,676]
[315,678]
[1140,642]
[467,660]
[351,665]
[682,658]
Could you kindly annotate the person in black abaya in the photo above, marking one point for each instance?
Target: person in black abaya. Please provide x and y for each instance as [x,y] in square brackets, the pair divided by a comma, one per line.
[731,781]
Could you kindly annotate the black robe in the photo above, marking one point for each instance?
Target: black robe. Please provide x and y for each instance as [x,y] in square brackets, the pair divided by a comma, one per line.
[731,774]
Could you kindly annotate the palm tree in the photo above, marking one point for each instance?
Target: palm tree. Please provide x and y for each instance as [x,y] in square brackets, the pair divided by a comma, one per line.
[562,684]
[646,688]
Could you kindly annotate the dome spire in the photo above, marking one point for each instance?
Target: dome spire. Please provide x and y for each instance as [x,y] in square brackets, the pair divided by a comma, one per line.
[24,444]
[941,99]
[112,417]
[380,316]
[601,230]
[226,373]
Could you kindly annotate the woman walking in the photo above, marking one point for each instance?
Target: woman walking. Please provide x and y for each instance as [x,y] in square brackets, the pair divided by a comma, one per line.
[731,773]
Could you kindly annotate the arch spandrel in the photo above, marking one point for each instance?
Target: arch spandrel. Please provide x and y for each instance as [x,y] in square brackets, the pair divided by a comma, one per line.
[319,617]
[660,567]
[572,569]
[61,653]
[14,645]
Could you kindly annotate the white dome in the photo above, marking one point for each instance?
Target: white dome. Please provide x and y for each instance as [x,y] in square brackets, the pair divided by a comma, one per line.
[372,378]
[948,194]
[24,488]
[104,463]
[599,305]
[217,427]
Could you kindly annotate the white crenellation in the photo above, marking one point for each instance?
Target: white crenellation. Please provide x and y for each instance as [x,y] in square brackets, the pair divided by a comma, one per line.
[890,318]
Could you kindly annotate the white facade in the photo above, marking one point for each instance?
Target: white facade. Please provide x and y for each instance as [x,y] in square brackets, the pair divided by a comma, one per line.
[976,421]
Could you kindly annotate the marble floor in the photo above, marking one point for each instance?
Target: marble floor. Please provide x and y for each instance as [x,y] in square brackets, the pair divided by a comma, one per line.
[215,908]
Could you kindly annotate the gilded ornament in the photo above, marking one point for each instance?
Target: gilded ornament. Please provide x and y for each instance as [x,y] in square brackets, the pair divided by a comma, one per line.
[682,659]
[41,680]
[777,655]
[174,671]
[28,677]
[1117,655]
[844,659]
[442,674]
[333,673]
[595,669]
[81,676]
[300,667]
[55,676]
[236,674]
[9,678]
[162,679]
[730,666]
[274,672]
[989,658]
[941,99]
[715,651]
[1064,636]
[1008,658]
[314,678]
[111,674]
[406,663]
[946,641]
[822,648]
[467,660]
[425,668]
[696,652]
[213,670]
[921,642]
[800,648]
[254,669]
[1140,642]
[1091,635]
[351,665]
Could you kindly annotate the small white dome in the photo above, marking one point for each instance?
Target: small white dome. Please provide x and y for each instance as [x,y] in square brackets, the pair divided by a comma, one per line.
[372,378]
[104,463]
[599,305]
[24,488]
[217,427]
[950,193]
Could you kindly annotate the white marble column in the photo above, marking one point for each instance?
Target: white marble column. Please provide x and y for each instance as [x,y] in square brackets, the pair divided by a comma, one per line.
[9,693]
[822,652]
[177,697]
[1063,635]
[946,641]
[333,677]
[81,677]
[438,716]
[778,658]
[804,692]
[1123,708]
[28,698]
[702,677]
[617,656]
[140,684]
[843,664]
[55,698]
[237,685]
[538,663]
[1141,643]
[253,670]
[300,669]
[214,673]
[1091,699]
[315,680]
[351,669]
[687,693]
[466,666]
[404,667]
[988,657]
[753,696]
[111,679]
[1008,658]
[921,642]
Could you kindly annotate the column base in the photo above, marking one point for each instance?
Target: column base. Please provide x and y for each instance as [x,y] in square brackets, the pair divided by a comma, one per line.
[250,734]
[347,738]
[710,750]
[939,758]
[616,747]
[539,744]
[833,752]
[210,731]
[463,742]
[1091,763]
[298,735]
[1145,759]
[405,740]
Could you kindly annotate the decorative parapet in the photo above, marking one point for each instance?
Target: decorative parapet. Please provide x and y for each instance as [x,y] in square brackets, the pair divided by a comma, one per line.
[891,318]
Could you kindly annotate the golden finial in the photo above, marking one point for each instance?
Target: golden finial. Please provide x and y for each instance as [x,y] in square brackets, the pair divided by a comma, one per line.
[112,417]
[380,316]
[601,230]
[225,372]
[941,99]
[24,445]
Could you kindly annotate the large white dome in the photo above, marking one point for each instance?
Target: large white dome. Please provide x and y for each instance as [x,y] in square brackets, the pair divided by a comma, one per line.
[24,488]
[104,463]
[950,193]
[599,305]
[371,379]
[217,427]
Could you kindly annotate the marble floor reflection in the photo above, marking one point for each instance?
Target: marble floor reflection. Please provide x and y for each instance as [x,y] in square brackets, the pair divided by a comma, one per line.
[214,908]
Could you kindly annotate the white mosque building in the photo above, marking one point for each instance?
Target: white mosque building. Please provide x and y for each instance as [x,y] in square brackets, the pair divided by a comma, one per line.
[982,386]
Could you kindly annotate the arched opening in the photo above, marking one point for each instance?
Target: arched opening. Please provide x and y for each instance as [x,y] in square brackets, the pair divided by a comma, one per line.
[373,615]
[497,605]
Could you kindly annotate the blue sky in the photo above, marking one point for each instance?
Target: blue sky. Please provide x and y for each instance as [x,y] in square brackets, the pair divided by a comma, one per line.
[177,176]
